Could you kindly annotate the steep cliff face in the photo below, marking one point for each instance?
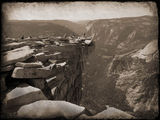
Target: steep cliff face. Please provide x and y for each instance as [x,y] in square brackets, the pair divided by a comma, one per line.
[124,34]
[138,78]
[50,70]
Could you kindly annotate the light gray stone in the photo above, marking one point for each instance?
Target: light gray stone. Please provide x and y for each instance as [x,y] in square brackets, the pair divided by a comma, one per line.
[49,109]
[43,57]
[30,65]
[16,55]
[24,95]
[109,113]
[46,72]
[64,48]
[13,45]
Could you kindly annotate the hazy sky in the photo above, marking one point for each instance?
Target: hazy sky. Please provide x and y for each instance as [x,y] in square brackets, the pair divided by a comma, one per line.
[74,10]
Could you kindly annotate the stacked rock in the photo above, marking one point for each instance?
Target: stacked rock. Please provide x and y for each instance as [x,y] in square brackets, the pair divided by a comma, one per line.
[44,65]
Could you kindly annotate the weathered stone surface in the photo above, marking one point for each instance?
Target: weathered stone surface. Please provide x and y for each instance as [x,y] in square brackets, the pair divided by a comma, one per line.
[53,90]
[109,113]
[43,85]
[31,39]
[150,48]
[7,68]
[148,51]
[40,56]
[16,55]
[43,57]
[13,45]
[23,95]
[30,65]
[61,64]
[49,109]
[88,42]
[20,72]
[54,81]
[52,61]
[138,80]
[36,43]
[9,40]
[36,75]
[65,48]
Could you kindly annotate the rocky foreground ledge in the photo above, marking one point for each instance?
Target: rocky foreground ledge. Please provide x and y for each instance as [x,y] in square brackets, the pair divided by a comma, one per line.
[38,76]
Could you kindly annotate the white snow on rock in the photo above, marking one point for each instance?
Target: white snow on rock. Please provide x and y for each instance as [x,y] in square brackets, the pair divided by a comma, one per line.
[49,109]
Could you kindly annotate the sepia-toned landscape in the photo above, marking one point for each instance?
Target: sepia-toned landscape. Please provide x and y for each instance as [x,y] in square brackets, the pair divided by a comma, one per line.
[86,68]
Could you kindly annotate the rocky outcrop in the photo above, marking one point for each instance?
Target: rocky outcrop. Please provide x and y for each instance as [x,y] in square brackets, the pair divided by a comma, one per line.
[148,53]
[52,71]
[138,79]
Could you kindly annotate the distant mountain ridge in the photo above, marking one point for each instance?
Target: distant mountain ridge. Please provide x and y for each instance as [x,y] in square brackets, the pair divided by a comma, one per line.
[17,28]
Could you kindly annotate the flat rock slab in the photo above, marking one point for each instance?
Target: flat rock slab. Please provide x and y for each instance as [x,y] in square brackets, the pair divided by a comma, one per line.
[49,109]
[109,113]
[35,43]
[23,95]
[46,72]
[13,45]
[9,40]
[43,57]
[16,55]
[30,65]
